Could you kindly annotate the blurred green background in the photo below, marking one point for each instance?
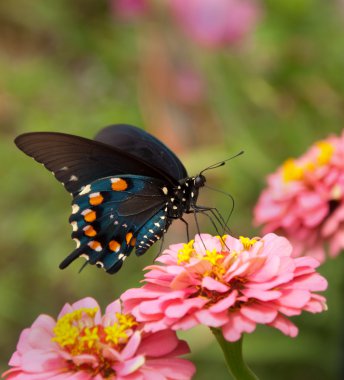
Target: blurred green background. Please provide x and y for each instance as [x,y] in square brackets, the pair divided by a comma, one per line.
[74,66]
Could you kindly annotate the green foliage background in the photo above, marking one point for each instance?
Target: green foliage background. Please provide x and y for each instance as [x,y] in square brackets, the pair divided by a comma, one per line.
[70,66]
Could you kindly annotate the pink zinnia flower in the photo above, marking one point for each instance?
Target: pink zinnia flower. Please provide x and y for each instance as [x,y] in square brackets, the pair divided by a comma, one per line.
[232,284]
[304,200]
[216,23]
[84,345]
[129,9]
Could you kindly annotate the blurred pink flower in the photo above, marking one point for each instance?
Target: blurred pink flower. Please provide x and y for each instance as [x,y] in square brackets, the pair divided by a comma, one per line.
[83,345]
[216,23]
[304,200]
[232,284]
[129,9]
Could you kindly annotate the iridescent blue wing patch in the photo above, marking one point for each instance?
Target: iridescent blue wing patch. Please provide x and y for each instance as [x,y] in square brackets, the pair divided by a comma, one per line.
[113,215]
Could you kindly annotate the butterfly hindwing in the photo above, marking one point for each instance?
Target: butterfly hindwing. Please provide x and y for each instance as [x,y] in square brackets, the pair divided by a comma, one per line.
[108,215]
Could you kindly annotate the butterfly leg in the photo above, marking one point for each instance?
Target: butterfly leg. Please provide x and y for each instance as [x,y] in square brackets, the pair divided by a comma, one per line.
[195,211]
[160,249]
[187,228]
[216,214]
[213,223]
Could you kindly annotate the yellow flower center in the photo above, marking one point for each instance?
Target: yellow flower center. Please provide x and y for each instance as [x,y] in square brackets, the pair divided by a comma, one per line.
[326,150]
[247,242]
[220,262]
[77,333]
[293,171]
[185,254]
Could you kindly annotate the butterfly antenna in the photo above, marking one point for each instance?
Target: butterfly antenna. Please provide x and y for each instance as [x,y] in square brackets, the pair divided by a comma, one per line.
[221,163]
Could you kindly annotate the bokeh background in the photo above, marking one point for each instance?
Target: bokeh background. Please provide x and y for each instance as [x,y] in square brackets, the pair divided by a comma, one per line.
[209,78]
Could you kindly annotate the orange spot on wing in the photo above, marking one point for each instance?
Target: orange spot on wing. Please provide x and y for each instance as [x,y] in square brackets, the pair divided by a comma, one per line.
[95,245]
[90,216]
[118,184]
[114,245]
[96,199]
[90,231]
[129,239]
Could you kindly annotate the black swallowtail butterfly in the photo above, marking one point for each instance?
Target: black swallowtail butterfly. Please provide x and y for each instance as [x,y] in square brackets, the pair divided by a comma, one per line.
[127,188]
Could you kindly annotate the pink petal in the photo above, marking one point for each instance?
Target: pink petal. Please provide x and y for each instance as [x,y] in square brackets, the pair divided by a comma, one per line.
[312,282]
[114,307]
[237,325]
[129,366]
[284,325]
[225,303]
[208,318]
[41,361]
[259,313]
[262,295]
[211,284]
[79,360]
[180,309]
[174,369]
[185,323]
[269,270]
[132,346]
[158,344]
[294,298]
[316,304]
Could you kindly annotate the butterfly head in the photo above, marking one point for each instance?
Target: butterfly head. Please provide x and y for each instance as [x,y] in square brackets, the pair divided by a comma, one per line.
[199,181]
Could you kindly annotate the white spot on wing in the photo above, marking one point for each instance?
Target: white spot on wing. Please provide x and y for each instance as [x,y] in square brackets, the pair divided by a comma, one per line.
[77,241]
[74,226]
[85,189]
[73,178]
[75,208]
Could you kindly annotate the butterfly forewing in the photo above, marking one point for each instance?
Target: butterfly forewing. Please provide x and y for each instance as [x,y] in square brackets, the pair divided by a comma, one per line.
[144,146]
[76,161]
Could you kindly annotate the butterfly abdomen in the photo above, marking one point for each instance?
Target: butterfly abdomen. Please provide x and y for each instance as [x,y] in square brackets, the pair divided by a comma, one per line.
[152,231]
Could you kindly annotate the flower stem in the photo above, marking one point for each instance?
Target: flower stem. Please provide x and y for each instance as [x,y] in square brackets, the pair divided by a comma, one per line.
[233,355]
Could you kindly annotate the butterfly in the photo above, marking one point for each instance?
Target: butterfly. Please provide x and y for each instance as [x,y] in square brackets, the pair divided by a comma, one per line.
[127,189]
